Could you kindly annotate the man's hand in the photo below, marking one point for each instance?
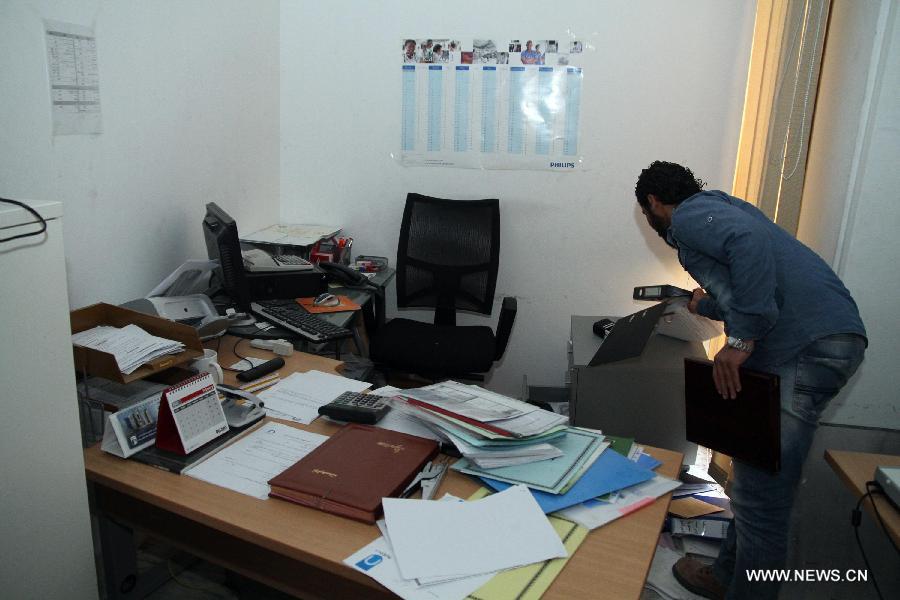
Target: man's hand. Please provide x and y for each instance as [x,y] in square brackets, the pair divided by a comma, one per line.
[725,370]
[699,294]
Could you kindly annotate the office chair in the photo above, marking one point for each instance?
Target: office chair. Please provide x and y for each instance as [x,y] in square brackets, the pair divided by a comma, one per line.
[447,259]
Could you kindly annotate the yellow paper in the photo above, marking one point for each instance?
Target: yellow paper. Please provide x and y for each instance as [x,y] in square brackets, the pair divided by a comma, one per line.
[531,581]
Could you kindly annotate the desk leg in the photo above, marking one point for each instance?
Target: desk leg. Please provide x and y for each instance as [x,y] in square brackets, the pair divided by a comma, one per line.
[120,571]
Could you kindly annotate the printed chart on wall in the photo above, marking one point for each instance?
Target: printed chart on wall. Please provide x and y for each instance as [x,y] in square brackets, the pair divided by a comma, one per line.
[490,103]
[74,78]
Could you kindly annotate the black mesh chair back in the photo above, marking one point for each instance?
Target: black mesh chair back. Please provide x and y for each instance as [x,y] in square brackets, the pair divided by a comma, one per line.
[448,255]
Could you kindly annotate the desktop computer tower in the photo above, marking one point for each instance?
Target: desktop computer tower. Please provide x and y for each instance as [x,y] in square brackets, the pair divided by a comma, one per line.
[271,286]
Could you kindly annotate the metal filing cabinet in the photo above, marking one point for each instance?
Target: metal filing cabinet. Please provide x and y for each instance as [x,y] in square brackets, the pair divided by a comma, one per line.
[639,397]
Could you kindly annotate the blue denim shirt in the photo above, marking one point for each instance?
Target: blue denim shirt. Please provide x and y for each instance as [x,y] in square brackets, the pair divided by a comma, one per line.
[763,283]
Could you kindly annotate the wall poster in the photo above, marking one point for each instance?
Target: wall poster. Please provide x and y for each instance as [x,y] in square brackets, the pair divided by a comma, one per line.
[74,78]
[491,104]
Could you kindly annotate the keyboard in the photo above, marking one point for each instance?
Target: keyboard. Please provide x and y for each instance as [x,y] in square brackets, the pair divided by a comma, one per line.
[288,315]
[290,260]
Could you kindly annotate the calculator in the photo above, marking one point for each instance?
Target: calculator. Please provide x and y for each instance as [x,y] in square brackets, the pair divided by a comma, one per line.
[356,407]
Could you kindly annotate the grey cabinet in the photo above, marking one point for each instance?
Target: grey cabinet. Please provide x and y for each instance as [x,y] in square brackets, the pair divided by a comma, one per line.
[640,397]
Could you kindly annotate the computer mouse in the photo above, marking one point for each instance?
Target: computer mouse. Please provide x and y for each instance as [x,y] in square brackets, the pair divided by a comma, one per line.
[326,299]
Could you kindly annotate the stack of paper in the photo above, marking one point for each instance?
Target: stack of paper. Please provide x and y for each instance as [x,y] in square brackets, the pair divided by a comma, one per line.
[579,448]
[489,429]
[130,345]
[380,561]
[299,396]
[440,541]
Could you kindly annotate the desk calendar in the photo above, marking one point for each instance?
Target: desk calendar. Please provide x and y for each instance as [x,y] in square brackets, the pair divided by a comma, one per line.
[190,414]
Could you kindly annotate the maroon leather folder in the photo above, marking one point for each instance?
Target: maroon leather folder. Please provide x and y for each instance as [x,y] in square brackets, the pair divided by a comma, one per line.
[353,470]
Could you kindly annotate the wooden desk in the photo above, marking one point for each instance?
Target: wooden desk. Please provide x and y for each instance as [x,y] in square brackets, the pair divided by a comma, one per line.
[855,469]
[301,551]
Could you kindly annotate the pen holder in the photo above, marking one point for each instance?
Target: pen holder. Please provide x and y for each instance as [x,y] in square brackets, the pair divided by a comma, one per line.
[333,249]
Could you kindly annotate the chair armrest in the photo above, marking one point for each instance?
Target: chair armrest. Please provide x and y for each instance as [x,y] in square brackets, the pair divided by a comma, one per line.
[504,325]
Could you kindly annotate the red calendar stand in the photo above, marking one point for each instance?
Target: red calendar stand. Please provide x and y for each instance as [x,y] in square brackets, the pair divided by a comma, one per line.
[190,414]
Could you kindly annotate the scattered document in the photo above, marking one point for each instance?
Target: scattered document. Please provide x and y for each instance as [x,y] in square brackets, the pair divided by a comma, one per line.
[300,395]
[596,513]
[292,235]
[609,473]
[131,346]
[442,539]
[248,464]
[580,449]
[678,322]
[378,562]
[470,401]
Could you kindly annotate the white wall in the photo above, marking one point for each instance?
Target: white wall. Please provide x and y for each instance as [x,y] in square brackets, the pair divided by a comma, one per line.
[866,179]
[189,94]
[666,81]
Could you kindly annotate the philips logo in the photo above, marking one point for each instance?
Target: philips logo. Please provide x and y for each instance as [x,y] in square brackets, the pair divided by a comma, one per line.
[369,562]
[562,165]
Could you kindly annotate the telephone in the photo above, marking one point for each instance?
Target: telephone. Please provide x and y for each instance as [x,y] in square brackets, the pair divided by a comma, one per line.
[344,275]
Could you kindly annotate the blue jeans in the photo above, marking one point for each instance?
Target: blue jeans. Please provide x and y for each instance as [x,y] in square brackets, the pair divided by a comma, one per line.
[762,501]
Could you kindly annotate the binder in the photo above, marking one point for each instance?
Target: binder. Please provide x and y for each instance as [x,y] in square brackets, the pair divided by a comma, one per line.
[629,335]
[190,415]
[353,470]
[747,428]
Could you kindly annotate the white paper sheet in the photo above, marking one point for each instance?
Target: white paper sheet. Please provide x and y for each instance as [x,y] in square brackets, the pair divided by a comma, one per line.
[396,420]
[471,401]
[248,464]
[595,514]
[678,322]
[300,395]
[378,562]
[440,539]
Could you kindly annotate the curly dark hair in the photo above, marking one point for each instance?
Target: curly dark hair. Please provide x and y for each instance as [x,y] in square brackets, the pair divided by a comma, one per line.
[670,182]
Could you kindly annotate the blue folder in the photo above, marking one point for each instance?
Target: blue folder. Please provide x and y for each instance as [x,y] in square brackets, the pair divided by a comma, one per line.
[610,472]
[645,461]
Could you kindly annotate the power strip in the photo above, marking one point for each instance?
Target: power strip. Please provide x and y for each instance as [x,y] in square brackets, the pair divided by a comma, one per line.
[279,347]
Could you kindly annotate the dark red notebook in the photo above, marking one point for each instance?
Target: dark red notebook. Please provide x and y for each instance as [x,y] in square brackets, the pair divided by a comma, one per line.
[747,428]
[353,470]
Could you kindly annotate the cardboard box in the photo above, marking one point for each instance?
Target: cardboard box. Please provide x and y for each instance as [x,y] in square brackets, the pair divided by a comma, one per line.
[103,364]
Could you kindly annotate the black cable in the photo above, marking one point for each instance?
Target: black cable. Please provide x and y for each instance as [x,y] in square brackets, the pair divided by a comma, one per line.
[37,215]
[855,519]
[876,487]
[235,352]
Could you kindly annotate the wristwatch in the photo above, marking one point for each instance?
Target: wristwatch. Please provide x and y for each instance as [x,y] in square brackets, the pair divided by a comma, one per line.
[739,344]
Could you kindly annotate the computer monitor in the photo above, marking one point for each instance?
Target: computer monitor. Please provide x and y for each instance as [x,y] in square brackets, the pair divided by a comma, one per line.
[222,244]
